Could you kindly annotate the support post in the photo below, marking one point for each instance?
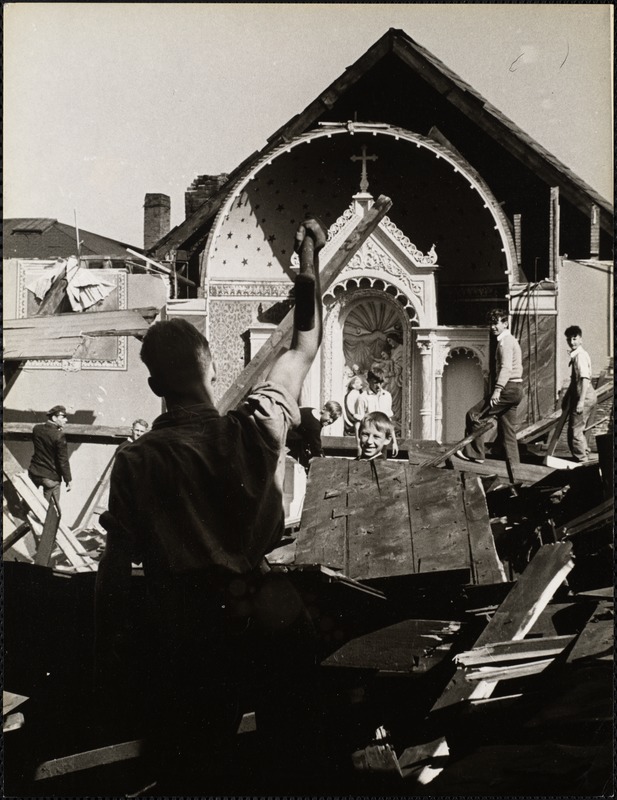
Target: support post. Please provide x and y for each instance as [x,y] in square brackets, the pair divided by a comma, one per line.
[554,233]
[517,240]
[594,243]
[426,407]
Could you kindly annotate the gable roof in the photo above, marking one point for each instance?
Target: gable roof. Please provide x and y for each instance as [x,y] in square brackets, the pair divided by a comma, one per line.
[453,89]
[33,237]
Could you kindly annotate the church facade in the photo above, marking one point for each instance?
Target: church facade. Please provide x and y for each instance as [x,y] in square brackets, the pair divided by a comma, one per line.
[481,217]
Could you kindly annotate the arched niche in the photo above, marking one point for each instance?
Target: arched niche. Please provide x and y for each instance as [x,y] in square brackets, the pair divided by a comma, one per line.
[464,384]
[370,311]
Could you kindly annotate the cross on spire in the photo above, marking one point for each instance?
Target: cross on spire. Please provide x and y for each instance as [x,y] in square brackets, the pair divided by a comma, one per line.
[363,177]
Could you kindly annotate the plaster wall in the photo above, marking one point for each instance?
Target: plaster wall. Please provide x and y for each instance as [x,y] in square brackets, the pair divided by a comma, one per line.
[585,298]
[97,397]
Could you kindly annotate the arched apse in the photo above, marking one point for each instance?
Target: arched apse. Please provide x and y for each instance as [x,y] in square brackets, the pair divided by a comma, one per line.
[437,199]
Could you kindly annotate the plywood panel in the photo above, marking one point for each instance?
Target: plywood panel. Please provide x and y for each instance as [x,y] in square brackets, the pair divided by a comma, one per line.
[383,519]
[323,535]
[379,537]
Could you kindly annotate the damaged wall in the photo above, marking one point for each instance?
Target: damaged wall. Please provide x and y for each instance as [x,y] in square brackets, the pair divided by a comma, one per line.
[113,397]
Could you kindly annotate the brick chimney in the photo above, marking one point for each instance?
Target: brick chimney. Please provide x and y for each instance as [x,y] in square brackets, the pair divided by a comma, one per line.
[203,187]
[157,210]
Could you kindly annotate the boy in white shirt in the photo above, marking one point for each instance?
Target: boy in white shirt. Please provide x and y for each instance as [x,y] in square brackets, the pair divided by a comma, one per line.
[581,396]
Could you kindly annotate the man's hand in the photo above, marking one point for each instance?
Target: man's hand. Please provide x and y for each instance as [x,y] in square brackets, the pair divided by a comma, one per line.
[68,487]
[495,397]
[579,407]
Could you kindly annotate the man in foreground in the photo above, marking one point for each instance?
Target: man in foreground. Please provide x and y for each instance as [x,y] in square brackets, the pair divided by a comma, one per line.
[198,501]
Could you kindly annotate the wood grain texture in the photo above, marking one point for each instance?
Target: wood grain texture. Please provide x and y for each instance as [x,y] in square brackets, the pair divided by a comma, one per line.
[384,519]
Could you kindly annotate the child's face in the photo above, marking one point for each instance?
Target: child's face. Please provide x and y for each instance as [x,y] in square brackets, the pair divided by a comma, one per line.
[325,418]
[574,341]
[356,384]
[372,441]
[374,386]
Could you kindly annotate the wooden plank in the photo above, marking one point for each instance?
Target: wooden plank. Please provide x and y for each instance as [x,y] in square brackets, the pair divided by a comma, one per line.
[487,567]
[599,515]
[530,594]
[322,538]
[410,647]
[38,506]
[523,473]
[451,450]
[27,349]
[77,322]
[509,672]
[556,433]
[48,536]
[513,651]
[438,523]
[378,490]
[12,538]
[88,513]
[102,434]
[280,338]
[537,429]
[512,621]
[60,335]
[597,639]
[89,759]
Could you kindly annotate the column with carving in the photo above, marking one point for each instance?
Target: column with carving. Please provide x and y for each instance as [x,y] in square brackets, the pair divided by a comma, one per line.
[426,407]
[441,354]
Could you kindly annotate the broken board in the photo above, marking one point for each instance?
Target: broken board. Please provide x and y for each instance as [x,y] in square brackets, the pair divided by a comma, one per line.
[381,519]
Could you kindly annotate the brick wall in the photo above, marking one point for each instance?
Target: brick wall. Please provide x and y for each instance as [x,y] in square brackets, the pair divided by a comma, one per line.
[157,218]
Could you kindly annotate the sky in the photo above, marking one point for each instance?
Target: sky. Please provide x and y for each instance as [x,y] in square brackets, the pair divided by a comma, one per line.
[105,102]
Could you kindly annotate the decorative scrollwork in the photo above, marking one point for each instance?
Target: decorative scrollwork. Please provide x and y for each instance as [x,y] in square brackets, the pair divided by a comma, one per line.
[405,242]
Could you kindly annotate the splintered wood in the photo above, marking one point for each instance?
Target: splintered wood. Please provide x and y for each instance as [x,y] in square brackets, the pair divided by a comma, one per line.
[382,519]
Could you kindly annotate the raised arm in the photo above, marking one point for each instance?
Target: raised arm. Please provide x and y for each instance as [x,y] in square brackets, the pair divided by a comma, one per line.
[291,368]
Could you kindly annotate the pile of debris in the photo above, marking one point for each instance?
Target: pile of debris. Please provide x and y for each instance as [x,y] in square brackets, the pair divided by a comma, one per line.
[465,633]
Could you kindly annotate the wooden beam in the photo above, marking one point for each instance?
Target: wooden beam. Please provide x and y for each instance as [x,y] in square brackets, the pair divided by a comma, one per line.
[124,751]
[509,671]
[87,515]
[280,338]
[599,515]
[441,457]
[538,429]
[60,335]
[48,536]
[502,129]
[523,473]
[554,225]
[77,322]
[513,651]
[512,621]
[154,265]
[37,507]
[101,434]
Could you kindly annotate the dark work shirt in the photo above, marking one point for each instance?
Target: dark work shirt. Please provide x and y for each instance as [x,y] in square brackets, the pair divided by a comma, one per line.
[50,459]
[201,491]
[304,442]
